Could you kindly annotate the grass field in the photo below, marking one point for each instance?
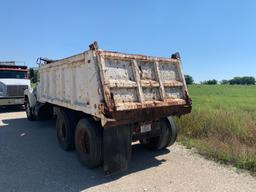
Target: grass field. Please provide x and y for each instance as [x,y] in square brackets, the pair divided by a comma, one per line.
[222,125]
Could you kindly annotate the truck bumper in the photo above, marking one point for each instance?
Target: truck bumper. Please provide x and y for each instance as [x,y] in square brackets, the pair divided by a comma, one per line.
[145,114]
[5,101]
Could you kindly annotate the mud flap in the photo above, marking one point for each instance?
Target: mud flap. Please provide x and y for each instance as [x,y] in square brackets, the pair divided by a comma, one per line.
[117,148]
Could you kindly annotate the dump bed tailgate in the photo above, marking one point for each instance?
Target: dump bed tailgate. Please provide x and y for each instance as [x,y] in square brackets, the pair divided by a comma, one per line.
[137,81]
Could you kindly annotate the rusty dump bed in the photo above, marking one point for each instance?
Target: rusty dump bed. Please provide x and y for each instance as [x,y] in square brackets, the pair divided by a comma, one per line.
[143,87]
[116,87]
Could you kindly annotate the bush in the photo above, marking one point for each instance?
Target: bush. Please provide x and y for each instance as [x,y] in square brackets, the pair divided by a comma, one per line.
[189,79]
[33,75]
[242,80]
[224,82]
[210,82]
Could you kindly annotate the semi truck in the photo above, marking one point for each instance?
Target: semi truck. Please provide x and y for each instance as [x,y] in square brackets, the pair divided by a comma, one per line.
[104,101]
[13,81]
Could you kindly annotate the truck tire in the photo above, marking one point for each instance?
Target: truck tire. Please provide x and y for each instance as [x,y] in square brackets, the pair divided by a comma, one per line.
[65,127]
[29,111]
[167,137]
[88,141]
[173,132]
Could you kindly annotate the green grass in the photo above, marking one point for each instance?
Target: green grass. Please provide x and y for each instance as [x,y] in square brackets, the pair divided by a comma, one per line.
[222,125]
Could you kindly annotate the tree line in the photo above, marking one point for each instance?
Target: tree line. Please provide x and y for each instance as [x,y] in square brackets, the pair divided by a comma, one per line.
[246,80]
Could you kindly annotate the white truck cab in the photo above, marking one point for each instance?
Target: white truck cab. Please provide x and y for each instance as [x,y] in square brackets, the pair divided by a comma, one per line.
[13,81]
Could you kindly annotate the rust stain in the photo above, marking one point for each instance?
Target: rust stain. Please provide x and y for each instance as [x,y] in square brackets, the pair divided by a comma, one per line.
[188,99]
[127,112]
[124,56]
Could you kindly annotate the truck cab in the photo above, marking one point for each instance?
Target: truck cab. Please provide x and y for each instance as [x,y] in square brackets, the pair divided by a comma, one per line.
[13,81]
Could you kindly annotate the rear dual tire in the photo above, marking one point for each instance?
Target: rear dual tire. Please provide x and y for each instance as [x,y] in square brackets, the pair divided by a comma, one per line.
[166,138]
[86,136]
[65,127]
[89,143]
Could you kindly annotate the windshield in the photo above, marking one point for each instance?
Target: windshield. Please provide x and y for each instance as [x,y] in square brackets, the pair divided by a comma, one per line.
[13,74]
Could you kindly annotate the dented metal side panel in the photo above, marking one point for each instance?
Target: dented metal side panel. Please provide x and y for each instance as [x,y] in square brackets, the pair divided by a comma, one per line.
[137,81]
[73,82]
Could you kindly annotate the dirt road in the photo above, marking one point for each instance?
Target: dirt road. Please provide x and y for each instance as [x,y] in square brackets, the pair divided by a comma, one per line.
[31,160]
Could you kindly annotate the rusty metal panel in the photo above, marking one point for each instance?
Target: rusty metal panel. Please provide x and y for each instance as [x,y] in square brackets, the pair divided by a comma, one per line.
[137,81]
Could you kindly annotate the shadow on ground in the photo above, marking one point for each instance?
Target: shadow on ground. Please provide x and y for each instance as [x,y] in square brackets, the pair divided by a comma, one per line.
[31,160]
[14,108]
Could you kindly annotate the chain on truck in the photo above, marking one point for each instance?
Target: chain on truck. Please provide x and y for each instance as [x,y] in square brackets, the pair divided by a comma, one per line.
[105,100]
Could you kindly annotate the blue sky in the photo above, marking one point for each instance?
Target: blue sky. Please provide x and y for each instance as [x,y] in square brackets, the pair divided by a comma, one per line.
[216,39]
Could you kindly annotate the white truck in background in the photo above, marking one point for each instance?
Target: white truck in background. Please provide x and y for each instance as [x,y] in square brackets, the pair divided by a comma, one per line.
[13,81]
[105,100]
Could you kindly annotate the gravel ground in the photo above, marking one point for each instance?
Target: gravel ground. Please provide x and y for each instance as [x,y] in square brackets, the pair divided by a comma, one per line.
[31,160]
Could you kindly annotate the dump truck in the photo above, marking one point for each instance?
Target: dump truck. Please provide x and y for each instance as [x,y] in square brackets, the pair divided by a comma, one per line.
[104,101]
[13,81]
